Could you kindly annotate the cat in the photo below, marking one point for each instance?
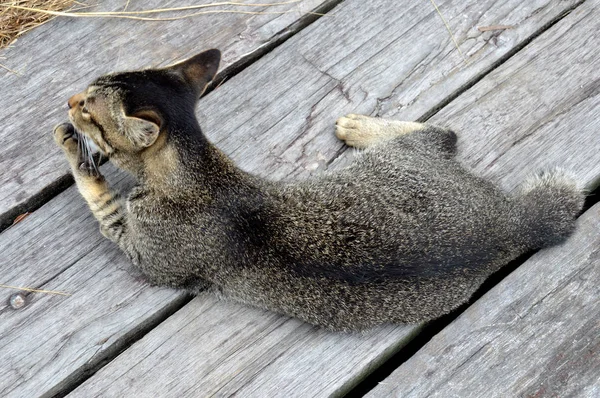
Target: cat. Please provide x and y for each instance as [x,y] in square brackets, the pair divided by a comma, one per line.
[405,234]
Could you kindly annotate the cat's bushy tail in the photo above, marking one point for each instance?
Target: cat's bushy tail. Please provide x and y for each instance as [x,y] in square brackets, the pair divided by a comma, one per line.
[550,203]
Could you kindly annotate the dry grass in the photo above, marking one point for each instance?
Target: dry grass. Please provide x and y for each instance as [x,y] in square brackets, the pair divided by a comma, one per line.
[437,9]
[139,15]
[20,16]
[32,290]
[16,21]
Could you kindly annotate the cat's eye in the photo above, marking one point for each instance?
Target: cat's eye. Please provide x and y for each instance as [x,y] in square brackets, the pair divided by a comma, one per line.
[85,114]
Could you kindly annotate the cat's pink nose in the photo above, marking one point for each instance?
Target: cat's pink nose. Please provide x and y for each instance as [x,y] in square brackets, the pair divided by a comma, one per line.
[76,99]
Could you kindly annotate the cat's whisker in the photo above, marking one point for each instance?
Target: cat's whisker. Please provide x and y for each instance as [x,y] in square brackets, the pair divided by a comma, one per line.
[90,154]
[82,149]
[89,160]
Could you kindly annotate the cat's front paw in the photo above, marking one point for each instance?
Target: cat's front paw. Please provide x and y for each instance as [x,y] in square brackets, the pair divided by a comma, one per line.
[67,138]
[79,156]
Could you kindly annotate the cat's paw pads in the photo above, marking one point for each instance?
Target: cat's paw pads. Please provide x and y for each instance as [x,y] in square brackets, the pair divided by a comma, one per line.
[66,137]
[358,131]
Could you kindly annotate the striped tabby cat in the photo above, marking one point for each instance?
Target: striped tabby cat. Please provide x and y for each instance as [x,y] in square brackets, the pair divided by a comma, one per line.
[405,234]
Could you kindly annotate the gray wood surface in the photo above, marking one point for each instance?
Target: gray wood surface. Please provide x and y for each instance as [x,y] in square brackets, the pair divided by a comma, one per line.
[221,348]
[59,59]
[211,347]
[536,334]
[276,118]
[392,59]
[54,339]
[539,110]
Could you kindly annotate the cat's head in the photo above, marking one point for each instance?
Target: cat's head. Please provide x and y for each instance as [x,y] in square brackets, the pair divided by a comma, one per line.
[125,113]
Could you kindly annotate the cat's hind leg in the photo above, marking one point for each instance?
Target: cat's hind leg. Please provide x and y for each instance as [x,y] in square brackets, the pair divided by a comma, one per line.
[361,132]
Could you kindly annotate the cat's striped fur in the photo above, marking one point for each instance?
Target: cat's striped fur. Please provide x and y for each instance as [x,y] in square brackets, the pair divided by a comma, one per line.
[404,234]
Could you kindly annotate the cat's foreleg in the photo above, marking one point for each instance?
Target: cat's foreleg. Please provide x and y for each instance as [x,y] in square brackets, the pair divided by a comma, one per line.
[105,203]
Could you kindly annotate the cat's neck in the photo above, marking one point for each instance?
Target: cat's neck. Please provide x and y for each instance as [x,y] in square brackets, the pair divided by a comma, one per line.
[180,163]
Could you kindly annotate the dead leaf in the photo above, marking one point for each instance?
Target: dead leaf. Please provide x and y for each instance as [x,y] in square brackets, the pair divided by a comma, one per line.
[20,218]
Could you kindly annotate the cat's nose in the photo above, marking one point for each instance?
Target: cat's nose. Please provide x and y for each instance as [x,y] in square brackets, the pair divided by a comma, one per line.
[76,99]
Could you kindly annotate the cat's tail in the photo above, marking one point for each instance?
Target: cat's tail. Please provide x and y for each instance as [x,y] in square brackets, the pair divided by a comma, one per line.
[550,202]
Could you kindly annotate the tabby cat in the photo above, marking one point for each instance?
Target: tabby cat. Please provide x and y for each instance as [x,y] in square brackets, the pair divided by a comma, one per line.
[404,234]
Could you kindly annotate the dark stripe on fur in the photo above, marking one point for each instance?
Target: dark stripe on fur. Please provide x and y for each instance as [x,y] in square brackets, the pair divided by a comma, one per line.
[112,214]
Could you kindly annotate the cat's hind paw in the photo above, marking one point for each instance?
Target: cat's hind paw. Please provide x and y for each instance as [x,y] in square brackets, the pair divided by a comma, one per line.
[361,131]
[355,130]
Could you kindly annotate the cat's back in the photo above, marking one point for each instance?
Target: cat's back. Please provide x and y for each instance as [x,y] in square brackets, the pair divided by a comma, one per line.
[417,211]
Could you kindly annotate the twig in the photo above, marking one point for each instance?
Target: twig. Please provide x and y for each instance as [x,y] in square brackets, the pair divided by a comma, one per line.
[154,11]
[448,28]
[28,289]
[10,70]
[21,217]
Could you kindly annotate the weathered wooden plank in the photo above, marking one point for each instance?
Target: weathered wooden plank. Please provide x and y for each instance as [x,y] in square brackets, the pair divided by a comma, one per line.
[401,65]
[61,57]
[223,358]
[64,229]
[545,113]
[54,339]
[267,365]
[236,116]
[536,334]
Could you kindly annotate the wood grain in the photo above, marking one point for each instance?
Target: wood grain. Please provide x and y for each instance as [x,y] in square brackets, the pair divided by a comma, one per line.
[536,334]
[224,348]
[54,340]
[538,110]
[275,118]
[59,59]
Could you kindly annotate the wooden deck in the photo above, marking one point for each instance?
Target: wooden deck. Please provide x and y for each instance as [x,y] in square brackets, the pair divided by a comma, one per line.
[520,99]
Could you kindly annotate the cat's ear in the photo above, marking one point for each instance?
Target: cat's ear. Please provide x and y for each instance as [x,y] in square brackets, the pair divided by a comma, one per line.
[199,70]
[143,129]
